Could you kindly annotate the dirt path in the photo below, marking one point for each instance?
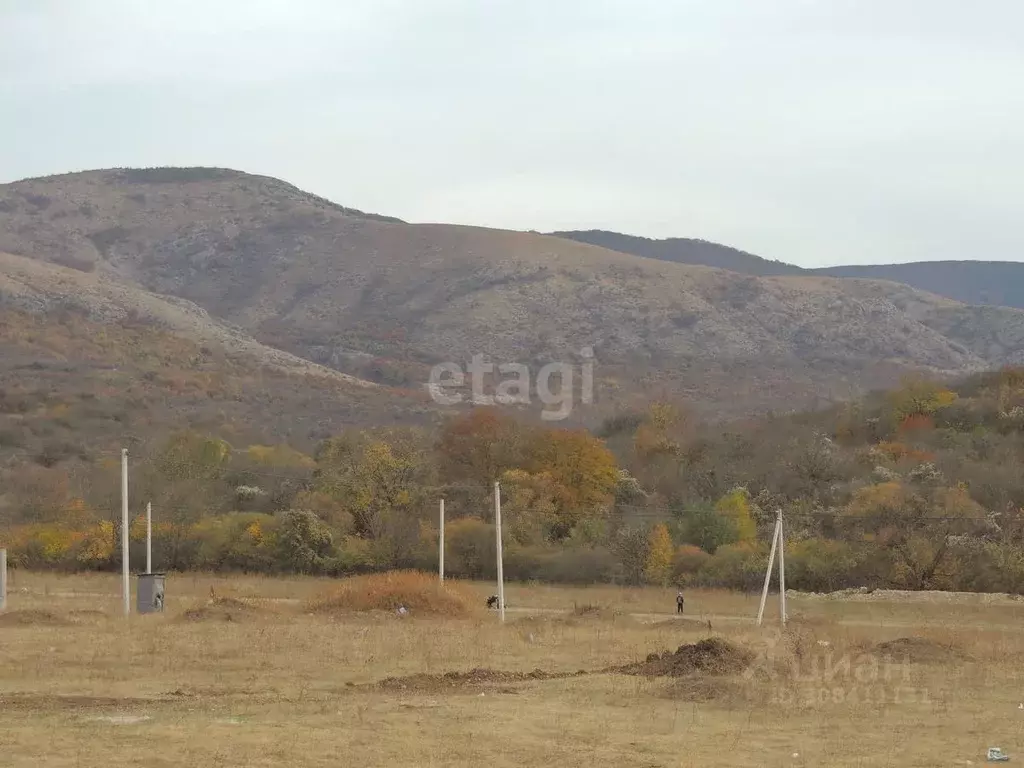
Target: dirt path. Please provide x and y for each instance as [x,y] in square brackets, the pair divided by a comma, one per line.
[644,618]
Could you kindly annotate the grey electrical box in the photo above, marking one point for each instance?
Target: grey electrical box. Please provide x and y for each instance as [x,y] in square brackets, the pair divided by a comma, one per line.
[150,594]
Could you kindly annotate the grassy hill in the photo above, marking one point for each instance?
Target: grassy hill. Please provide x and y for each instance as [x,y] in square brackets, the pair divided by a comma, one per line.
[384,300]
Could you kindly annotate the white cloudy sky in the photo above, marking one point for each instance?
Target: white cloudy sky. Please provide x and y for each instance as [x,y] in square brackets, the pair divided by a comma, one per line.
[813,131]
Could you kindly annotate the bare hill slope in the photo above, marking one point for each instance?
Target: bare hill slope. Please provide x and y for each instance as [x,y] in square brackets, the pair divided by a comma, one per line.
[379,298]
[90,364]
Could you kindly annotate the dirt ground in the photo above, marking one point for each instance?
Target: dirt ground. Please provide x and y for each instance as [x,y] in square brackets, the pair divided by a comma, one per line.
[244,676]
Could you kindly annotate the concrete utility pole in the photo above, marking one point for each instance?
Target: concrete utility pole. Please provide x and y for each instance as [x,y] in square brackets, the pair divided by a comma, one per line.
[149,537]
[778,544]
[3,579]
[440,544]
[501,567]
[126,586]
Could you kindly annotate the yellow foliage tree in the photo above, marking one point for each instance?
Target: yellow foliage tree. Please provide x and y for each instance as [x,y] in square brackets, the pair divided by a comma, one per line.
[582,470]
[919,397]
[99,544]
[658,567]
[735,505]
[659,432]
[279,456]
[915,527]
[376,477]
[529,505]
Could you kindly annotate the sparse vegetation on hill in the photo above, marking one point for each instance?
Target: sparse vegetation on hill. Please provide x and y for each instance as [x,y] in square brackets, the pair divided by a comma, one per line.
[997,283]
[384,300]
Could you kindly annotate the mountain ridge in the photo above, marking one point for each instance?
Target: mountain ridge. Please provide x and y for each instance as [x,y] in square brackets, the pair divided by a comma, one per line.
[384,300]
[989,282]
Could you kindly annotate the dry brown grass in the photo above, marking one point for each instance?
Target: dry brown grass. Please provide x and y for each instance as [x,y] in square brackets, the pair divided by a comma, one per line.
[290,688]
[419,593]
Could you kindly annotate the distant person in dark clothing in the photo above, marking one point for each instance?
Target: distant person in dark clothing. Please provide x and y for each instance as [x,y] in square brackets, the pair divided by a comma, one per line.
[679,602]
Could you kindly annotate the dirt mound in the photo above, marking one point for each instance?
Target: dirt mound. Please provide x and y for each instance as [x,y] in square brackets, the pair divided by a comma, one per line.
[31,618]
[920,650]
[474,678]
[711,656]
[420,594]
[223,609]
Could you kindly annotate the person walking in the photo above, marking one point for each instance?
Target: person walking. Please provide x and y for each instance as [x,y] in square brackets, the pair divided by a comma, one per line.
[679,602]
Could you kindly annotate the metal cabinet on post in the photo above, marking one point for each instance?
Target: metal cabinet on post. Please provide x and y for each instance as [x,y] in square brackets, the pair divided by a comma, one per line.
[150,595]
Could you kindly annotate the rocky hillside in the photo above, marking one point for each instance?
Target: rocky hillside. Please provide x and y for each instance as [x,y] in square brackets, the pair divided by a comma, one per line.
[381,299]
[88,365]
[994,283]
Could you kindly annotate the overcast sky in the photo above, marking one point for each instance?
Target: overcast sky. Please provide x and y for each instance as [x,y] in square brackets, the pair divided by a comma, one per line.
[812,131]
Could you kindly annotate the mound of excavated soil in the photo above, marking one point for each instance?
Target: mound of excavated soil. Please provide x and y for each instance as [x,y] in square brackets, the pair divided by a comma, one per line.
[31,618]
[474,678]
[712,656]
[223,609]
[920,650]
[419,593]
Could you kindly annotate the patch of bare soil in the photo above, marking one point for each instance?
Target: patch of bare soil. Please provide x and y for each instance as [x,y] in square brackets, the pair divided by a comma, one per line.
[31,618]
[920,650]
[474,678]
[224,609]
[711,656]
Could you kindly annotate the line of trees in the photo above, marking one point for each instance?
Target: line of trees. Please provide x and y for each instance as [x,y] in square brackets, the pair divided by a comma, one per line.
[918,488]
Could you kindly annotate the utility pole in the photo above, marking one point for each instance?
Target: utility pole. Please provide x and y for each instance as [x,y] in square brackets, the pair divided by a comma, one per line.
[149,537]
[768,570]
[497,533]
[782,570]
[440,544]
[3,579]
[126,587]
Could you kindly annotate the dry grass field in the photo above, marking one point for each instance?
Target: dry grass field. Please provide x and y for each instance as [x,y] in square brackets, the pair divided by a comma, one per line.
[259,673]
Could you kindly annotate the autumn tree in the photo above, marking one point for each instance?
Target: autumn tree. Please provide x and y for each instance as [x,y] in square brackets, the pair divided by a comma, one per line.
[186,478]
[380,479]
[661,432]
[917,526]
[704,527]
[631,545]
[735,507]
[304,543]
[919,397]
[529,505]
[582,470]
[269,477]
[658,568]
[479,446]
